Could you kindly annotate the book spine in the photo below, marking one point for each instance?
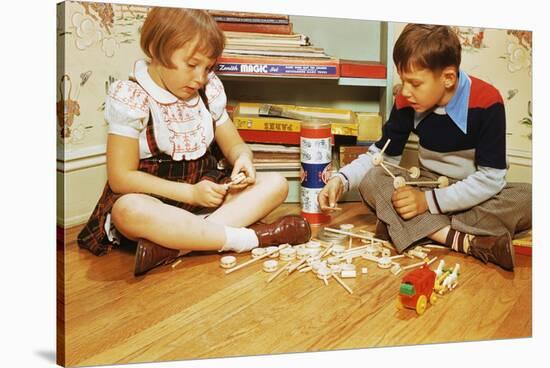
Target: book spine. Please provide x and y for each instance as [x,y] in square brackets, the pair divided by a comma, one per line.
[350,153]
[280,68]
[254,20]
[526,251]
[362,70]
[271,124]
[256,27]
[253,108]
[267,124]
[259,136]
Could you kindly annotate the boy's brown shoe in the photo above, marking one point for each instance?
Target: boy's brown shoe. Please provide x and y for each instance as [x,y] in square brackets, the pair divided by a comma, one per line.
[290,229]
[150,255]
[494,249]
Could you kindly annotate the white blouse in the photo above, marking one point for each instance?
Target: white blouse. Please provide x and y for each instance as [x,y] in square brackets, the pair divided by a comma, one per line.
[183,128]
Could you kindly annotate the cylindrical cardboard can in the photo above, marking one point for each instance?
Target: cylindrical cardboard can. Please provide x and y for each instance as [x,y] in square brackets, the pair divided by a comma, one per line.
[315,158]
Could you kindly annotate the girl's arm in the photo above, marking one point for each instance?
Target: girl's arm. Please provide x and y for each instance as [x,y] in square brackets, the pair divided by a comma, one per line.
[124,177]
[236,151]
[230,142]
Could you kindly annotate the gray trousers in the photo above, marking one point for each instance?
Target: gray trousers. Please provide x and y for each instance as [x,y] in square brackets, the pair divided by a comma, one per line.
[508,211]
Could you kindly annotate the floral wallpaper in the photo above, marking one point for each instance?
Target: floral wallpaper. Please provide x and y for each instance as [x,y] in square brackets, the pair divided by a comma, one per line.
[101,42]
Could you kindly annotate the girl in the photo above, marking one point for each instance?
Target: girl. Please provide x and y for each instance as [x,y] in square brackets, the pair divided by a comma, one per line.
[165,125]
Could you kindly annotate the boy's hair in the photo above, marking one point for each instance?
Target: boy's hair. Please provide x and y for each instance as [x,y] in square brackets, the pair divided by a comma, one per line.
[423,46]
[167,29]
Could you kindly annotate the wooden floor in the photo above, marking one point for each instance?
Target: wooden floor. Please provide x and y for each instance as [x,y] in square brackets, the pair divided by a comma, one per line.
[195,310]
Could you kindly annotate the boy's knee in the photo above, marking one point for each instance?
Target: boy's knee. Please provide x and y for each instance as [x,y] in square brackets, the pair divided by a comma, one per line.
[372,180]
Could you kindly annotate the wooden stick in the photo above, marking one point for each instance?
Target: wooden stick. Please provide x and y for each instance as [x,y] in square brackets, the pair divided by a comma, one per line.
[326,251]
[280,271]
[395,166]
[434,246]
[238,267]
[339,280]
[387,170]
[419,264]
[421,182]
[176,263]
[397,256]
[385,146]
[295,266]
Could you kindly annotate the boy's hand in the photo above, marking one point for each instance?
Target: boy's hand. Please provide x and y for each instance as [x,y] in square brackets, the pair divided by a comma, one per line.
[409,202]
[208,194]
[244,164]
[330,194]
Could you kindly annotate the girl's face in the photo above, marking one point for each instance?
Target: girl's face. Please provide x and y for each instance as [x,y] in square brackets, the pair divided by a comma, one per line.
[425,89]
[188,76]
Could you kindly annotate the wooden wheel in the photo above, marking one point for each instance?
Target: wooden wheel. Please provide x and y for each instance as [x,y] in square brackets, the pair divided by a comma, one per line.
[399,182]
[421,304]
[433,299]
[414,172]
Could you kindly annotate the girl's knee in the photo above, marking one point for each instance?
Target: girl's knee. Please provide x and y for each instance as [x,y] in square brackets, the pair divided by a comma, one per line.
[130,208]
[276,185]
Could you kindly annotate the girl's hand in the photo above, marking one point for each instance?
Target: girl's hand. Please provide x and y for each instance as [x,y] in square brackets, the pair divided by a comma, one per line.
[409,202]
[208,194]
[329,195]
[244,164]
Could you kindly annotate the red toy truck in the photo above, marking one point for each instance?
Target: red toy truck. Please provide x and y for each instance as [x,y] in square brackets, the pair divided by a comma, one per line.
[417,287]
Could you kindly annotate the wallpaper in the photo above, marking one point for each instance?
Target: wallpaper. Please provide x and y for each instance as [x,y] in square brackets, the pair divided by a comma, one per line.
[101,43]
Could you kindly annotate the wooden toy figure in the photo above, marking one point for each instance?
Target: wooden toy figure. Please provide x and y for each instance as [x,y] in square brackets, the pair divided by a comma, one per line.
[417,287]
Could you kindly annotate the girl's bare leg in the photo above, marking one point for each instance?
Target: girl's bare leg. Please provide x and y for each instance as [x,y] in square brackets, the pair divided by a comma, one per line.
[253,203]
[142,216]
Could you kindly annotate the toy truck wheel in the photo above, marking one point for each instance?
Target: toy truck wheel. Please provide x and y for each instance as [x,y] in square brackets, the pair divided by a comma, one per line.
[421,304]
[433,299]
[399,304]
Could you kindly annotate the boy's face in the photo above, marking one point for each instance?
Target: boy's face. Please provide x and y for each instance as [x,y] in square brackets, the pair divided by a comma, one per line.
[425,89]
[189,75]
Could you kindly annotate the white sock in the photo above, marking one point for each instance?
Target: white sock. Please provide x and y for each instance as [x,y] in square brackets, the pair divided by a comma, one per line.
[239,239]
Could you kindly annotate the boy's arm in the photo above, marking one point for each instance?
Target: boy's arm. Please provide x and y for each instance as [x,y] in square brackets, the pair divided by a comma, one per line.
[475,189]
[397,128]
[353,173]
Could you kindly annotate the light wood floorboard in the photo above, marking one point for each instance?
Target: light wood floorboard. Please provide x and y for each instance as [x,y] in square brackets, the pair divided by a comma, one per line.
[195,310]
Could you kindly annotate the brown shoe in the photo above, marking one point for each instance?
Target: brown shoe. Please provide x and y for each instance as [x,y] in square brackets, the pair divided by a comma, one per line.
[150,255]
[494,249]
[290,229]
[381,231]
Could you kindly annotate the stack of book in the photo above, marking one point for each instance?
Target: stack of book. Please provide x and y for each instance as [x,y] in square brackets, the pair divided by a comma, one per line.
[281,124]
[264,45]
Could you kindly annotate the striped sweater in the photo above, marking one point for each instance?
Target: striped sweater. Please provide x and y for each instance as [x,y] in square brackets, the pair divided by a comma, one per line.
[464,140]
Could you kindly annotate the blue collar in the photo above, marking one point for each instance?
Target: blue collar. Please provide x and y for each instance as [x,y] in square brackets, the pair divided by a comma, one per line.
[457,108]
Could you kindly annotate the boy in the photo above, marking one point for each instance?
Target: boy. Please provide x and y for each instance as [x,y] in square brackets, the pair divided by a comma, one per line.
[461,125]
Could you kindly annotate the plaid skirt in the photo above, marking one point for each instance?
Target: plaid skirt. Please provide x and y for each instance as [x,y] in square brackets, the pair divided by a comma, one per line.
[508,211]
[94,236]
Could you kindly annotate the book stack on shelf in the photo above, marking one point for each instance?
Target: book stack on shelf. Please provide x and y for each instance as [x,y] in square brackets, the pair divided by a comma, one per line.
[278,127]
[265,45]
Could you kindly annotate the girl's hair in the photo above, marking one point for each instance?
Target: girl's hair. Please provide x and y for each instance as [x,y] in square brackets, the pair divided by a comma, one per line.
[425,46]
[167,29]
